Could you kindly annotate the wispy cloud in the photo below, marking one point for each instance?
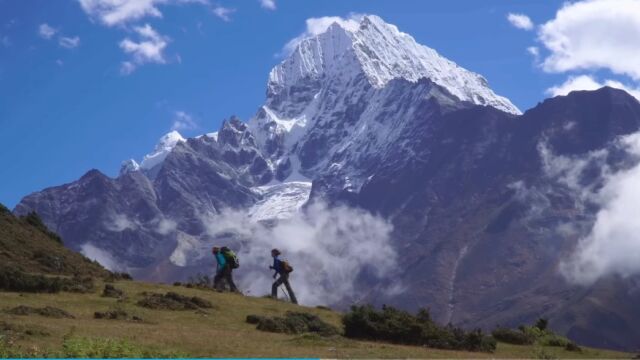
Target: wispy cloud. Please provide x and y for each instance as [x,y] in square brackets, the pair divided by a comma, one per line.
[69,42]
[222,12]
[120,12]
[46,31]
[148,49]
[183,121]
[587,82]
[520,21]
[268,4]
[611,246]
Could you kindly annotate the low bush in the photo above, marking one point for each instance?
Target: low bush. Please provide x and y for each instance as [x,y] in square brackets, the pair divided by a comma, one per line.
[173,301]
[542,324]
[293,323]
[46,311]
[111,291]
[538,334]
[12,279]
[401,327]
[511,336]
[117,314]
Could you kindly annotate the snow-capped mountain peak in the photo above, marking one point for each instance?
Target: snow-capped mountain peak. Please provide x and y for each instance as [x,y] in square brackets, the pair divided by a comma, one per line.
[128,166]
[164,146]
[381,52]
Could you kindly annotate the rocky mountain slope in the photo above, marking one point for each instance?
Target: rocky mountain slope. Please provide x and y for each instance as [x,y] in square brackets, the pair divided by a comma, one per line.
[484,203]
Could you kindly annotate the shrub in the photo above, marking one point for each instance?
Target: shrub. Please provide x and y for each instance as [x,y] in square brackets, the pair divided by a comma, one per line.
[511,336]
[542,324]
[293,323]
[4,210]
[117,314]
[173,301]
[397,326]
[538,334]
[112,291]
[12,279]
[46,311]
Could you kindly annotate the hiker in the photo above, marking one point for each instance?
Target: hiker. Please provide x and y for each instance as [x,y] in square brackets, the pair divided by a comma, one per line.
[227,261]
[283,269]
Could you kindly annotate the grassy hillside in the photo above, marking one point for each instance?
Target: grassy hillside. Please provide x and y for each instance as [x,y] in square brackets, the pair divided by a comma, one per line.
[213,332]
[78,318]
[27,245]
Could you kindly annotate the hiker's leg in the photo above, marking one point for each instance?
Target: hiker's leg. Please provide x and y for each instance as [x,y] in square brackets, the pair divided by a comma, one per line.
[217,280]
[274,287]
[229,277]
[292,296]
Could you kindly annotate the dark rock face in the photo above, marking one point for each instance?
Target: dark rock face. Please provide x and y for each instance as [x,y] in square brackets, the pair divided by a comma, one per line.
[476,216]
[475,208]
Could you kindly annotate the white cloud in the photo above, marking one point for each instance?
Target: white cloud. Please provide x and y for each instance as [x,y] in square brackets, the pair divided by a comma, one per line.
[223,12]
[102,256]
[119,12]
[520,21]
[328,248]
[149,49]
[5,41]
[594,34]
[268,4]
[120,222]
[613,244]
[316,26]
[127,67]
[46,32]
[183,121]
[586,82]
[69,42]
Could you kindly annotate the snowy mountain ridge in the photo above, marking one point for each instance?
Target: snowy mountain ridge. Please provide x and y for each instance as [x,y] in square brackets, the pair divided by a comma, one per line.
[382,53]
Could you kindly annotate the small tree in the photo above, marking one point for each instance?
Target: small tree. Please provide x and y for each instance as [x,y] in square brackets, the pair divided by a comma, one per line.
[542,324]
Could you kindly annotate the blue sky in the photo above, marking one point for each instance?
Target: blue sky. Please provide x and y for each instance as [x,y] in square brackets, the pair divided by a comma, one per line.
[79,91]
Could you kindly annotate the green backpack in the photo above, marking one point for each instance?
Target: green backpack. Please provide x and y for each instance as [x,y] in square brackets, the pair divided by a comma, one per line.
[231,257]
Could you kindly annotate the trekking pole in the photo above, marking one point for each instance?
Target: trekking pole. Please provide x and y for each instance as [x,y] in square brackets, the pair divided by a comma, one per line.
[285,293]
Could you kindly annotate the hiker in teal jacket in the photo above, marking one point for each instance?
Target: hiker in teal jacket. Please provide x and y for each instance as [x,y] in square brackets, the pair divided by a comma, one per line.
[223,271]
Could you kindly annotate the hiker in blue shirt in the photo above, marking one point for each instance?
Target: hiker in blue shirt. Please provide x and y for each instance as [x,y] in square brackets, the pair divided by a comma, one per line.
[283,269]
[223,271]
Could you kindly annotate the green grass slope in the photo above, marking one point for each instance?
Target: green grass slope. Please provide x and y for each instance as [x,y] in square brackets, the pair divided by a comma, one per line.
[133,323]
[220,331]
[27,245]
